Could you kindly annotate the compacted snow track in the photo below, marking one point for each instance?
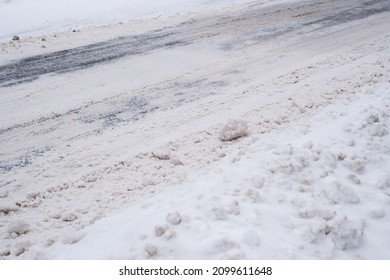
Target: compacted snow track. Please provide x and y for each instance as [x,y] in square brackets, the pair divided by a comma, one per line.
[254,24]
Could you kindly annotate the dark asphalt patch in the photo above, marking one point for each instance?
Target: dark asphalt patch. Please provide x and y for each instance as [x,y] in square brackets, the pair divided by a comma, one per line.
[29,69]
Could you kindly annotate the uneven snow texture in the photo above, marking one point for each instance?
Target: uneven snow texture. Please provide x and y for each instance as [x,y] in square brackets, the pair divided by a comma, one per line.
[300,196]
[281,151]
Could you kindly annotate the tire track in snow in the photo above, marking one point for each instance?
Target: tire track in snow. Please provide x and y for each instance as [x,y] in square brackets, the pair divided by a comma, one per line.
[254,25]
[258,24]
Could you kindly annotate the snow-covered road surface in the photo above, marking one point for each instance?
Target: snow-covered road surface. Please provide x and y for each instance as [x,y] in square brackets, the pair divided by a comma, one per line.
[102,121]
[235,29]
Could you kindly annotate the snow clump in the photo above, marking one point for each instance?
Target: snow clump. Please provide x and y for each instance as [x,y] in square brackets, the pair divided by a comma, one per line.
[174,218]
[160,230]
[234,129]
[162,153]
[69,217]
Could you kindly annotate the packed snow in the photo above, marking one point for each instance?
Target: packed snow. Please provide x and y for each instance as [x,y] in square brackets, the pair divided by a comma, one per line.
[220,149]
[43,16]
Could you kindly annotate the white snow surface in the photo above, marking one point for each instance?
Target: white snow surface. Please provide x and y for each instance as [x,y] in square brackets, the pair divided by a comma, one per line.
[307,176]
[288,196]
[26,17]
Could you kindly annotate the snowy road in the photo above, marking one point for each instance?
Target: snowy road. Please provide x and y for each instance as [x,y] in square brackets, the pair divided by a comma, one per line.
[228,32]
[254,24]
[83,114]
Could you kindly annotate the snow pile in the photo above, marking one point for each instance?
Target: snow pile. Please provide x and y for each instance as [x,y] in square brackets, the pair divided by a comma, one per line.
[321,194]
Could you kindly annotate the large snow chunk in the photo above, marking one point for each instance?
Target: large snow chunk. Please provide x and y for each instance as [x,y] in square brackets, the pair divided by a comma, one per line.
[233,129]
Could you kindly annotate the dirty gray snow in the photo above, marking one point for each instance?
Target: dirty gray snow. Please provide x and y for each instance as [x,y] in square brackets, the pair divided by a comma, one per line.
[257,130]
